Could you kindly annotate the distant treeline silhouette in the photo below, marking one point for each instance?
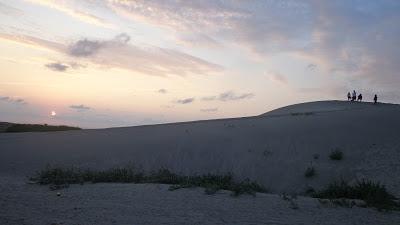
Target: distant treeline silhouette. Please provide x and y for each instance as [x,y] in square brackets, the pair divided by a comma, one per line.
[37,128]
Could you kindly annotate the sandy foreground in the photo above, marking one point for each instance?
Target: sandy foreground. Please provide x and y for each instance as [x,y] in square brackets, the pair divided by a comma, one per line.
[274,149]
[154,204]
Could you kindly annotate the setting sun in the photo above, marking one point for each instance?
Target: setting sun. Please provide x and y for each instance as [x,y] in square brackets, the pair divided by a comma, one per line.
[53,113]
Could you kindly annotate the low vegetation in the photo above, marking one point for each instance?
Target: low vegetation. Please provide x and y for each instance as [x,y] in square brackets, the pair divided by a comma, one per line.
[37,128]
[302,113]
[310,172]
[336,154]
[373,193]
[58,177]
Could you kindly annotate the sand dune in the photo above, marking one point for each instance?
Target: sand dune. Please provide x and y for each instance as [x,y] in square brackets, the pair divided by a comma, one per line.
[274,148]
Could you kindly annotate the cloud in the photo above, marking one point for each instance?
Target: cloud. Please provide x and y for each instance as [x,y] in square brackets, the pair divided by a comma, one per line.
[198,40]
[34,42]
[232,96]
[80,107]
[84,48]
[311,67]
[277,77]
[9,10]
[312,30]
[118,53]
[260,26]
[162,91]
[209,110]
[63,67]
[71,8]
[59,67]
[185,101]
[209,98]
[228,96]
[146,60]
[18,101]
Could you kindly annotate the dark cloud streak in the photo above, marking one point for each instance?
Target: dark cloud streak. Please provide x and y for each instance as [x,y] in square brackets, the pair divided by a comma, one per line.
[59,67]
[185,101]
[80,107]
[228,96]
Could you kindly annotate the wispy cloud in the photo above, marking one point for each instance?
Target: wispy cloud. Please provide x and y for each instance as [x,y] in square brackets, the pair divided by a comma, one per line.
[209,110]
[80,107]
[209,98]
[277,77]
[9,10]
[228,96]
[71,8]
[312,30]
[59,67]
[311,66]
[34,42]
[18,101]
[162,91]
[63,67]
[232,96]
[118,53]
[185,101]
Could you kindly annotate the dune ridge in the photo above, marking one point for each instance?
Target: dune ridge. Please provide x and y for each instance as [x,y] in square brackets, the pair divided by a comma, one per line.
[274,148]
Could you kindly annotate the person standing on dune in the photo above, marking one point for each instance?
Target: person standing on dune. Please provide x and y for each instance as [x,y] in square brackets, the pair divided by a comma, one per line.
[375,99]
[348,96]
[354,96]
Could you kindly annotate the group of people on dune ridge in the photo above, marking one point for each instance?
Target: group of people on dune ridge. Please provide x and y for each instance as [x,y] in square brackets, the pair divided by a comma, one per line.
[353,97]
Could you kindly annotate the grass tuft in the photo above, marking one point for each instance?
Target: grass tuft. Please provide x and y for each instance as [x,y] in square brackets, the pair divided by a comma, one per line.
[373,193]
[310,172]
[58,177]
[336,155]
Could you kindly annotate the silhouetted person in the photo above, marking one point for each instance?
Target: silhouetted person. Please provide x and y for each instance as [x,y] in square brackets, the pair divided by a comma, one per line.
[348,96]
[354,96]
[375,99]
[359,97]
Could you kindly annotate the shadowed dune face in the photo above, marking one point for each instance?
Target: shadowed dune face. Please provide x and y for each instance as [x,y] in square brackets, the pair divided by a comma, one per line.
[274,149]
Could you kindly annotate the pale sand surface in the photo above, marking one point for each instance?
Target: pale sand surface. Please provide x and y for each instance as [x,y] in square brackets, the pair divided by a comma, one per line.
[274,149]
[127,204]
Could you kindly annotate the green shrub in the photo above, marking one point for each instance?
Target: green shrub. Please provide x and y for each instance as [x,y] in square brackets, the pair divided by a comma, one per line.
[373,193]
[58,177]
[336,155]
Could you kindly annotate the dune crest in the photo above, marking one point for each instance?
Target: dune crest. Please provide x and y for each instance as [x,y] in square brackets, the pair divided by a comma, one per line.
[275,148]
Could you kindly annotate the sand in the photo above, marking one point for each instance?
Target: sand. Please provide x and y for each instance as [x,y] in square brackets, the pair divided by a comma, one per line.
[127,204]
[274,149]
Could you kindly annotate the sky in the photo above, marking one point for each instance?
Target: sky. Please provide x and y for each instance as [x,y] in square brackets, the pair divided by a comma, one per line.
[106,63]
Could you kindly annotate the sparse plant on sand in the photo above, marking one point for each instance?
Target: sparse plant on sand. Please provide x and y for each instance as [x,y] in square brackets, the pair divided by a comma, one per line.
[291,199]
[373,193]
[336,154]
[58,177]
[302,113]
[310,172]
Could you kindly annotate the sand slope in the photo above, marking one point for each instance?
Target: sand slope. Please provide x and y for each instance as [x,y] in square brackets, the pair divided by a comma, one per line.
[142,204]
[274,148]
